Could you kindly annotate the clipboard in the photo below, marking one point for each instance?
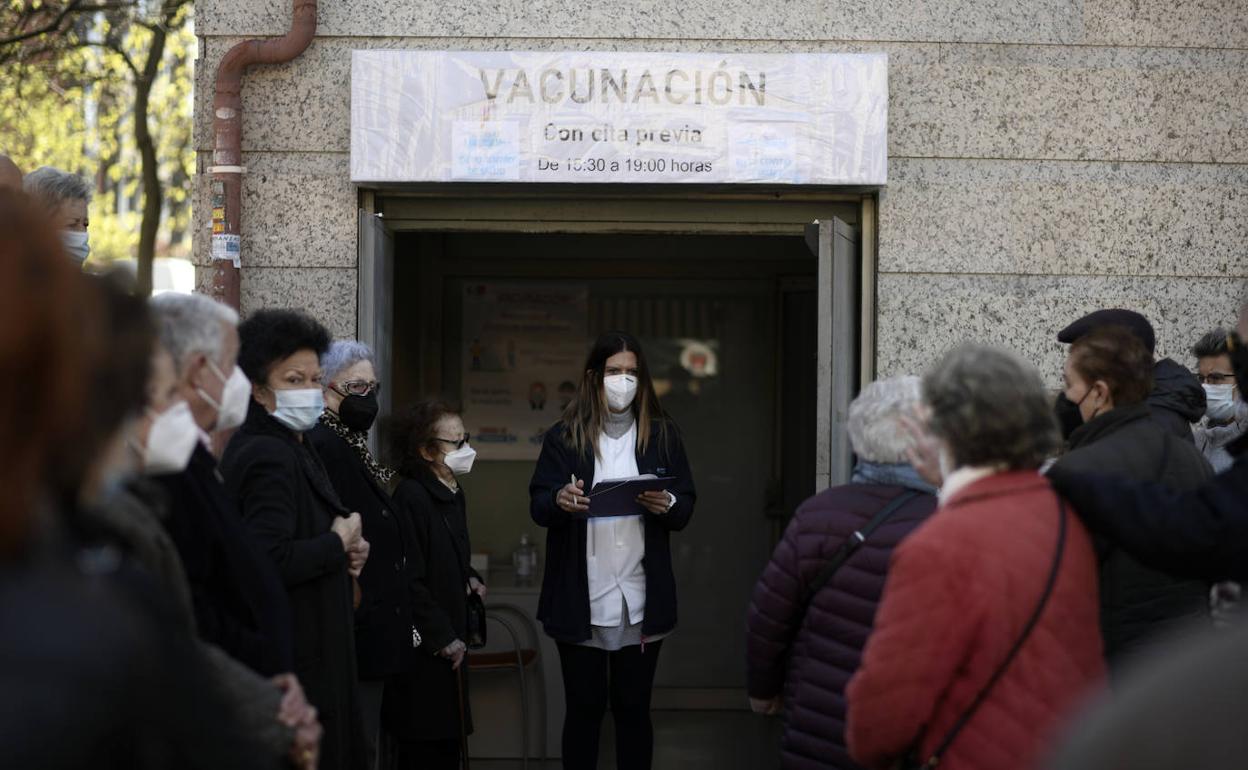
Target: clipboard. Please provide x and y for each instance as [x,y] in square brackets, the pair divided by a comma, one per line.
[618,497]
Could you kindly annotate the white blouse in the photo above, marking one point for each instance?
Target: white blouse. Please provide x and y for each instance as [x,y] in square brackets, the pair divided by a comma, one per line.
[615,547]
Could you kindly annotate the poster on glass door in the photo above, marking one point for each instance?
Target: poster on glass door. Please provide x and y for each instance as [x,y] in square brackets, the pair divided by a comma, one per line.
[523,347]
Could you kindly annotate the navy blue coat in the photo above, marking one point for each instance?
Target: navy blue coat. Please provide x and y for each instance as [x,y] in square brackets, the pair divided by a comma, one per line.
[810,658]
[563,608]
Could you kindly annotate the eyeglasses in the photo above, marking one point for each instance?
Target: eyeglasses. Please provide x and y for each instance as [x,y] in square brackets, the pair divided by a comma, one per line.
[357,387]
[457,444]
[1215,378]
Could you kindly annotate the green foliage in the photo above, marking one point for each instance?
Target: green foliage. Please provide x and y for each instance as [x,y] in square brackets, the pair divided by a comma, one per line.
[67,99]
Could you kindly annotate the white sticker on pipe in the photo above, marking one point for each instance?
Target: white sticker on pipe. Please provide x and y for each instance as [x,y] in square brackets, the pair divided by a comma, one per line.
[228,247]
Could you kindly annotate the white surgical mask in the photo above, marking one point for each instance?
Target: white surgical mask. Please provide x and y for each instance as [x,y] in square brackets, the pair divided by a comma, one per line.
[76,245]
[621,390]
[235,397]
[300,409]
[460,461]
[171,441]
[1220,402]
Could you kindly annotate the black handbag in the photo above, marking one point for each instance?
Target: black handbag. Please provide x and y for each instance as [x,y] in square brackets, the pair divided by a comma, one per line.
[912,761]
[476,623]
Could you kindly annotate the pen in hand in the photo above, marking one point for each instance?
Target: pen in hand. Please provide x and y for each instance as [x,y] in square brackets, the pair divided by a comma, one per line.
[570,497]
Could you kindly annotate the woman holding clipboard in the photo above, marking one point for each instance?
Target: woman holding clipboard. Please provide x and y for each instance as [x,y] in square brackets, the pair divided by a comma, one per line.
[609,594]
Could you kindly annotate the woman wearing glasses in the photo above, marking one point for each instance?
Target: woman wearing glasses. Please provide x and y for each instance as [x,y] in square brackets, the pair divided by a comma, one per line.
[390,604]
[609,593]
[426,709]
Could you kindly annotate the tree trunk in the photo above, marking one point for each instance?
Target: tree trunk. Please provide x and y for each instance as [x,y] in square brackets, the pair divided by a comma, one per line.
[153,192]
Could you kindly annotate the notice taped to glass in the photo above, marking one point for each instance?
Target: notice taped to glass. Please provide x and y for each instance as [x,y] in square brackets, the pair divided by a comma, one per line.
[617,117]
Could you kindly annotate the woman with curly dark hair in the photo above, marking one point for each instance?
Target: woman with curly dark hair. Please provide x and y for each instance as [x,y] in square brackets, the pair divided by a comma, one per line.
[426,709]
[290,507]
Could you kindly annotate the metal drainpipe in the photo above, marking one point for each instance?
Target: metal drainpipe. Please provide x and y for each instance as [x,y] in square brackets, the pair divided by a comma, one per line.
[227,155]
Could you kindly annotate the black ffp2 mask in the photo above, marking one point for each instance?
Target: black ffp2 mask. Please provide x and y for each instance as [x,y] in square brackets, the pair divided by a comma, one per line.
[358,412]
[1068,416]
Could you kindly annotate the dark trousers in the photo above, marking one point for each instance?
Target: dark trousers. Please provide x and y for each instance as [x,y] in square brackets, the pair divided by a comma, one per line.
[427,755]
[592,678]
[370,693]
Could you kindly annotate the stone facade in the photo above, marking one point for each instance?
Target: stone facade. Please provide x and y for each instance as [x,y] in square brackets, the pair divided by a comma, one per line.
[1047,157]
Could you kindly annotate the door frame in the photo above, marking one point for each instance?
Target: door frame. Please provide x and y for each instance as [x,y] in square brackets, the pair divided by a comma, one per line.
[605,209]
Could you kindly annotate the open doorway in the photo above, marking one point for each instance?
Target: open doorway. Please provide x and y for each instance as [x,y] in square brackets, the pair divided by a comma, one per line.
[733,323]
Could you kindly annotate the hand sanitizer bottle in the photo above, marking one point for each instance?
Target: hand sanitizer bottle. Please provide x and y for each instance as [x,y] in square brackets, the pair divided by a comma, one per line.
[524,559]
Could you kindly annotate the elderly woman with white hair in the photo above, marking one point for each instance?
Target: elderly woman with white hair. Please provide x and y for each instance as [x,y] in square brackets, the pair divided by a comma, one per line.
[393,603]
[813,607]
[66,197]
[988,633]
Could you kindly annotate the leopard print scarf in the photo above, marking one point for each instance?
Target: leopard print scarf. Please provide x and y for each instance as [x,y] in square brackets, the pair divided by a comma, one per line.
[358,440]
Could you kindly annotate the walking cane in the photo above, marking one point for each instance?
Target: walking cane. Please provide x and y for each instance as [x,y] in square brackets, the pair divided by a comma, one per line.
[463,727]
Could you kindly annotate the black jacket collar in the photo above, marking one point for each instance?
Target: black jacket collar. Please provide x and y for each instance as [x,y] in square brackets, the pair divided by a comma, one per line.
[437,490]
[1110,422]
[259,422]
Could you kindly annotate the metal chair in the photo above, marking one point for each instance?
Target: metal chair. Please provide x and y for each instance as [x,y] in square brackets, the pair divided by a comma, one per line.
[519,659]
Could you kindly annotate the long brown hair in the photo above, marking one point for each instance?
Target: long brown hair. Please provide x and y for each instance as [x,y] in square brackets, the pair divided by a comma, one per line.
[585,419]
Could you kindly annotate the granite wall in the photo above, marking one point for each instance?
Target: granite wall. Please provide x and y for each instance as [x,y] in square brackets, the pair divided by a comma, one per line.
[1047,157]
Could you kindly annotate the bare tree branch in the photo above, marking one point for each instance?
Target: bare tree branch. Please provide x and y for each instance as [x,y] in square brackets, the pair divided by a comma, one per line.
[74,7]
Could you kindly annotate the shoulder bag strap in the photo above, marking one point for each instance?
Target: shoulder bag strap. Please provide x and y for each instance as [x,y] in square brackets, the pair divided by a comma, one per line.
[851,546]
[958,726]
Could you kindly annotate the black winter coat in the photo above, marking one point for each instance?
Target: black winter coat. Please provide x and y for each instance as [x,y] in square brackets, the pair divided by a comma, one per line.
[1137,603]
[809,659]
[384,622]
[240,603]
[423,704]
[288,504]
[1177,399]
[563,607]
[100,671]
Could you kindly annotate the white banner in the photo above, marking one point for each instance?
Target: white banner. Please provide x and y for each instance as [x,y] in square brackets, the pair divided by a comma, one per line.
[596,116]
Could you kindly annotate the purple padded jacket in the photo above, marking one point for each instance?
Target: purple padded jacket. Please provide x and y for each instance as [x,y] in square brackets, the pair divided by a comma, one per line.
[810,660]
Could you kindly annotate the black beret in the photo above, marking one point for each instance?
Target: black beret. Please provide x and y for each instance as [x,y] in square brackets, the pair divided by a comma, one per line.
[1137,323]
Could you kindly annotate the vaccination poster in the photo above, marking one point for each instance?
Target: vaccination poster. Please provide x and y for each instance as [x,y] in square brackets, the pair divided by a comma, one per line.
[524,344]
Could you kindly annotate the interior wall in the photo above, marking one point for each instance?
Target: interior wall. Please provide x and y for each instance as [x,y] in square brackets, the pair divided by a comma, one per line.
[429,268]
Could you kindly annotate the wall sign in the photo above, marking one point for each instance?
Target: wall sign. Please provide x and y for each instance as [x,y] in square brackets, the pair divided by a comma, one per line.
[604,117]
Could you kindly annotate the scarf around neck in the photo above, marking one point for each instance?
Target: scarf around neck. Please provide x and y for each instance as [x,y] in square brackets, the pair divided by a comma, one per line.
[891,474]
[358,440]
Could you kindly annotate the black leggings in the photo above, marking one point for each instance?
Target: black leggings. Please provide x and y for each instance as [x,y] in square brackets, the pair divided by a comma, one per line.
[591,679]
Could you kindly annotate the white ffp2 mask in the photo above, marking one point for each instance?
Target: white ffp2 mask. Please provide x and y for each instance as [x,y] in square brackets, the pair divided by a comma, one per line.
[621,390]
[171,441]
[460,461]
[235,398]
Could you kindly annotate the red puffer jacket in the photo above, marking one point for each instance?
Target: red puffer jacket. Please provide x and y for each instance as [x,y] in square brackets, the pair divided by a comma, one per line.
[959,592]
